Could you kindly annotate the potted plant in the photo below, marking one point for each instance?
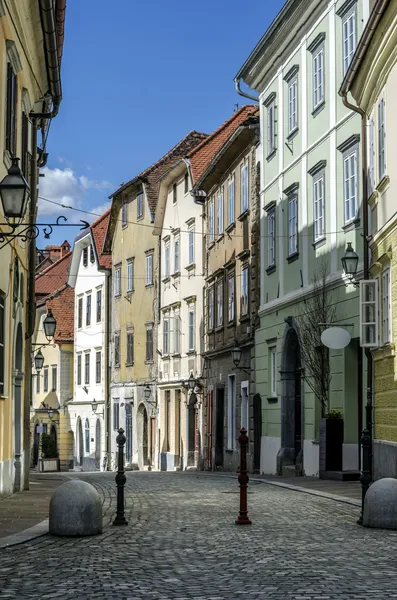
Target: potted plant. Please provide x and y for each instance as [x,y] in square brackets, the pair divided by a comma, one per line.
[331,441]
[49,454]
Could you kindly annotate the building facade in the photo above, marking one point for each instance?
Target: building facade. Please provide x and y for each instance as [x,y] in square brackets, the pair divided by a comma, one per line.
[310,209]
[89,275]
[134,309]
[372,82]
[22,34]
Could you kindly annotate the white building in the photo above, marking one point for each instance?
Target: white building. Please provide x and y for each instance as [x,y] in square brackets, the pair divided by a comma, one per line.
[90,278]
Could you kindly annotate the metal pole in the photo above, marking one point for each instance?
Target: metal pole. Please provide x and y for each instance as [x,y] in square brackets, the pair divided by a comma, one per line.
[365,478]
[243,479]
[120,481]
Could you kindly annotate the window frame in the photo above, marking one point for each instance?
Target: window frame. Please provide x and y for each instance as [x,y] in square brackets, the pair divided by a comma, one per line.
[219,303]
[211,307]
[191,249]
[244,299]
[365,341]
[231,412]
[80,312]
[191,325]
[386,314]
[293,103]
[11,95]
[211,221]
[231,297]
[54,378]
[244,185]
[273,371]
[116,415]
[381,108]
[271,143]
[85,256]
[98,372]
[124,213]
[319,203]
[149,343]
[231,200]
[88,303]
[117,356]
[166,335]
[346,16]
[220,212]
[46,380]
[99,306]
[87,437]
[167,258]
[318,69]
[130,275]
[177,333]
[293,225]
[271,237]
[92,254]
[371,155]
[177,254]
[139,206]
[130,347]
[349,214]
[87,367]
[117,281]
[79,368]
[149,261]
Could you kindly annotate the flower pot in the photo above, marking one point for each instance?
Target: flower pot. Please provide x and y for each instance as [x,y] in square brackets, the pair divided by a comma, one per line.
[331,444]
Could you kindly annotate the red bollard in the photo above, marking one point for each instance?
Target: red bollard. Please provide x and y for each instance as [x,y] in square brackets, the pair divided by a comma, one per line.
[243,479]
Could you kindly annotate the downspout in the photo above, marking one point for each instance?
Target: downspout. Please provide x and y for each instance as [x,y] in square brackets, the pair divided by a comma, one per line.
[368,354]
[108,404]
[245,94]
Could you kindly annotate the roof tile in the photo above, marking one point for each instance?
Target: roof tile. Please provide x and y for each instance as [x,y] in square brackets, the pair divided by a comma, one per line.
[53,277]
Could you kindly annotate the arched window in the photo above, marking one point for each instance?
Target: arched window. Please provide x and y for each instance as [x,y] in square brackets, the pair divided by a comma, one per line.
[87,436]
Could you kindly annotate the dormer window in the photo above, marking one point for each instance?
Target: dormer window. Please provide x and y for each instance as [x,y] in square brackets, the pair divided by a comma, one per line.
[85,256]
[92,255]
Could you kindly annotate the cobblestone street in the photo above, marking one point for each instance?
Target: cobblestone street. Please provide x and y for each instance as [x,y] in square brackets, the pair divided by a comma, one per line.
[181,542]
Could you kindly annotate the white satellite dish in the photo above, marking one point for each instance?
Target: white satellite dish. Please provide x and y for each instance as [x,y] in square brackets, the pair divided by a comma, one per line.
[335,338]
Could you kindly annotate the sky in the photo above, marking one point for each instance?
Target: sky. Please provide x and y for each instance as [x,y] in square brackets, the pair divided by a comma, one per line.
[137,76]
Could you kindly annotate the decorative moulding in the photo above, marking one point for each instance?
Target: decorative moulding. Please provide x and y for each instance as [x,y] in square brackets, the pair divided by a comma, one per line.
[317,167]
[382,185]
[346,7]
[190,299]
[270,99]
[270,206]
[291,189]
[316,42]
[353,140]
[13,55]
[291,73]
[149,251]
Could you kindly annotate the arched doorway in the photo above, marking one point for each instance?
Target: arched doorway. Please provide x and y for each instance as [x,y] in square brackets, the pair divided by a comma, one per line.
[98,445]
[79,443]
[142,435]
[291,451]
[192,438]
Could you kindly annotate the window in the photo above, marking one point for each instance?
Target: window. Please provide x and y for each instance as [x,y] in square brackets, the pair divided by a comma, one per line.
[124,215]
[87,368]
[230,200]
[130,276]
[244,187]
[381,139]
[117,281]
[37,383]
[219,303]
[98,368]
[11,115]
[54,378]
[116,416]
[271,237]
[98,306]
[292,225]
[130,348]
[117,349]
[273,372]
[87,436]
[46,379]
[244,290]
[174,193]
[318,77]
[149,269]
[2,343]
[79,369]
[191,329]
[371,156]
[177,334]
[350,185]
[318,208]
[166,336]
[211,308]
[191,244]
[25,155]
[220,213]
[271,127]
[92,256]
[230,297]
[167,250]
[244,406]
[369,333]
[231,412]
[139,206]
[211,221]
[349,39]
[85,256]
[176,255]
[88,311]
[149,343]
[186,183]
[386,307]
[80,313]
[292,105]
[168,419]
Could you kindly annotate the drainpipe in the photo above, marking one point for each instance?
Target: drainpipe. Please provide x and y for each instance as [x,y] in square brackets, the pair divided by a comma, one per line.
[108,404]
[357,109]
[245,94]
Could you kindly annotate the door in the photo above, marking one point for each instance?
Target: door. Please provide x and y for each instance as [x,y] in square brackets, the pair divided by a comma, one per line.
[98,445]
[298,413]
[209,431]
[219,426]
[152,439]
[128,433]
[257,432]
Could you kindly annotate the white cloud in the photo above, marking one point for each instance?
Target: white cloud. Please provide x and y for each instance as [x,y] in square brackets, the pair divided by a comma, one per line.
[99,210]
[95,185]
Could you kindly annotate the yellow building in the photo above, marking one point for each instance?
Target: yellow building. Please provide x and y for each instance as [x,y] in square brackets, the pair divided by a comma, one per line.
[134,309]
[372,81]
[27,30]
[52,385]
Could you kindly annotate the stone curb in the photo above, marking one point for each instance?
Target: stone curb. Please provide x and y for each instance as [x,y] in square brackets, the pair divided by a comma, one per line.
[25,536]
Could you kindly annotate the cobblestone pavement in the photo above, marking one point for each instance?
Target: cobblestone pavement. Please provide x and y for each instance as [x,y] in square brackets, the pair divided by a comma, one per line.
[182,543]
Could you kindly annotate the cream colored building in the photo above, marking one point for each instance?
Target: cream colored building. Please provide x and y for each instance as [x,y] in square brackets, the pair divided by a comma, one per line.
[26,30]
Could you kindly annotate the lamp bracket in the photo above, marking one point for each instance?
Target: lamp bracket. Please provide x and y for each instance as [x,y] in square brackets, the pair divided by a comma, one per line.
[31,232]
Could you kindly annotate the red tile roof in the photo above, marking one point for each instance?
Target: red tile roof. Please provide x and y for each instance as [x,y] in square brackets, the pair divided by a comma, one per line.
[53,277]
[62,306]
[99,229]
[201,156]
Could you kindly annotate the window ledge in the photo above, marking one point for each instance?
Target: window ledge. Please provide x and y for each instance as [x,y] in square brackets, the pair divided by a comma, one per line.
[243,254]
[220,237]
[166,279]
[353,224]
[319,243]
[218,328]
[271,269]
[149,285]
[244,318]
[124,226]
[373,199]
[211,245]
[176,274]
[293,134]
[272,400]
[318,108]
[293,257]
[383,184]
[191,353]
[271,155]
[129,364]
[149,362]
[115,366]
[191,267]
[231,324]
[176,355]
[230,227]
[386,351]
[117,295]
[139,218]
[3,397]
[129,293]
[243,215]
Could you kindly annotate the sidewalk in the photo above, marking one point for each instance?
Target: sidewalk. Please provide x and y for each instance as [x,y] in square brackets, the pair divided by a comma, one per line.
[26,511]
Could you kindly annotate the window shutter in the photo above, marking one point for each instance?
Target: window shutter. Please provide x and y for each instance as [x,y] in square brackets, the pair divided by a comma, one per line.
[369,314]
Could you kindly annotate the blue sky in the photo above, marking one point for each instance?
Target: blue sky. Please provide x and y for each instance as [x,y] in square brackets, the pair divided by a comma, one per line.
[136,77]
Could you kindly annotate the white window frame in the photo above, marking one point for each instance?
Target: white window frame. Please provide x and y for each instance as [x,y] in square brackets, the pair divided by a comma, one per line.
[231,412]
[293,105]
[371,155]
[167,258]
[166,336]
[211,307]
[293,224]
[318,77]
[244,187]
[177,255]
[139,206]
[386,307]
[211,221]
[381,138]
[191,244]
[177,333]
[219,303]
[244,290]
[369,287]
[149,269]
[271,127]
[319,207]
[271,237]
[220,213]
[191,330]
[245,405]
[231,301]
[117,282]
[350,185]
[273,371]
[348,38]
[130,275]
[231,215]
[124,213]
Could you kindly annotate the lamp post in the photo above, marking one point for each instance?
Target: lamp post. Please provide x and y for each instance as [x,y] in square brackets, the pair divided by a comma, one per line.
[236,355]
[14,192]
[39,361]
[49,325]
[94,406]
[350,264]
[147,392]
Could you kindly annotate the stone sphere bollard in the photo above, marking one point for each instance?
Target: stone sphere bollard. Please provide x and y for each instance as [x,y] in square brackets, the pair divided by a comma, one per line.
[75,509]
[380,504]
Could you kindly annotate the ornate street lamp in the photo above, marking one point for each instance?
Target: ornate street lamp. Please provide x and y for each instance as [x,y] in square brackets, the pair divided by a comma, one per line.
[39,361]
[350,263]
[147,391]
[14,192]
[49,325]
[236,355]
[94,406]
[191,382]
